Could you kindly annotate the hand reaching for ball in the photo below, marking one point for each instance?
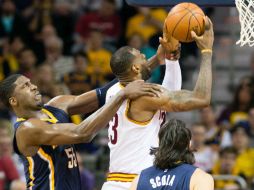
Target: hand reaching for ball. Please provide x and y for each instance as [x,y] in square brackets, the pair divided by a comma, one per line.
[205,41]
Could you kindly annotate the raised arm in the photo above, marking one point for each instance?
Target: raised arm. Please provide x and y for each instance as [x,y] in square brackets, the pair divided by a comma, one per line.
[34,132]
[185,100]
[84,103]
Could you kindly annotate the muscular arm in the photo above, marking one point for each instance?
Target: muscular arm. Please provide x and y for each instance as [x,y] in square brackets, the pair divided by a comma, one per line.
[201,180]
[183,100]
[34,132]
[84,103]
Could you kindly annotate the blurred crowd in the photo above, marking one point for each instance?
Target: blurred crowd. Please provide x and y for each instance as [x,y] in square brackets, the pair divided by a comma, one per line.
[64,47]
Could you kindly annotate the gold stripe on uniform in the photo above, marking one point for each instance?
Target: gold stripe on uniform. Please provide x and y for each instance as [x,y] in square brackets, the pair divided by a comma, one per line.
[48,159]
[31,172]
[52,119]
[132,120]
[121,177]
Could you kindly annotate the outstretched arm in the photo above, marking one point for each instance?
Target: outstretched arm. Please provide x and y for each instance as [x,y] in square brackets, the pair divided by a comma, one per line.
[84,103]
[34,132]
[185,100]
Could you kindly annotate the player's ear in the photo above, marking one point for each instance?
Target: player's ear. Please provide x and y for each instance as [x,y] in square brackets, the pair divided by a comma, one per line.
[13,101]
[135,68]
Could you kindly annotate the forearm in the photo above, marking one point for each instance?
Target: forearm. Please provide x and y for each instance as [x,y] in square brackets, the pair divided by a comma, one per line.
[173,77]
[98,120]
[204,83]
[153,62]
[84,103]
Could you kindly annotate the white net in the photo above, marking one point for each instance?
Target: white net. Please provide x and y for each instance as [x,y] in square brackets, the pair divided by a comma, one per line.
[246,17]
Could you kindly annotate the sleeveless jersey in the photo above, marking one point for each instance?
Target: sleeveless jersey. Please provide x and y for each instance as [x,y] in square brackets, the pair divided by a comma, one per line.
[130,141]
[177,178]
[52,167]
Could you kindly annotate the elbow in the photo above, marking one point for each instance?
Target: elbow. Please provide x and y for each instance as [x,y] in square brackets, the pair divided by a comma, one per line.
[206,102]
[85,138]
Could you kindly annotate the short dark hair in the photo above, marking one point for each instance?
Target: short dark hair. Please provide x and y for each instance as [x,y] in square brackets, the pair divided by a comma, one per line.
[121,60]
[174,141]
[228,150]
[7,87]
[80,54]
[240,126]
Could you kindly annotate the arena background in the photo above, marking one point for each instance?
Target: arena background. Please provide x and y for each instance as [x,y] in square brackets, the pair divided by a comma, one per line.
[64,46]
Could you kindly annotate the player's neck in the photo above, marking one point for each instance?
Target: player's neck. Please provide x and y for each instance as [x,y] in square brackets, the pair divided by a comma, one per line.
[27,114]
[125,80]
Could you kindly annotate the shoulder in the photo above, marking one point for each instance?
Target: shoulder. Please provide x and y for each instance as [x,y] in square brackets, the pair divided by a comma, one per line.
[153,103]
[30,124]
[201,179]
[60,102]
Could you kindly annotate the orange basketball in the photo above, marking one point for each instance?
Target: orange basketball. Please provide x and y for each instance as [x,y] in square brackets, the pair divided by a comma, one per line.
[182,19]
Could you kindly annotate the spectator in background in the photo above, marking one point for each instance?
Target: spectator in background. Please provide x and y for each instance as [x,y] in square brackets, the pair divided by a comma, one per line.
[39,15]
[8,171]
[6,146]
[215,135]
[9,62]
[251,126]
[48,31]
[54,57]
[244,163]
[87,178]
[238,110]
[45,81]
[105,19]
[204,156]
[78,81]
[147,22]
[225,166]
[11,24]
[64,21]
[27,62]
[99,59]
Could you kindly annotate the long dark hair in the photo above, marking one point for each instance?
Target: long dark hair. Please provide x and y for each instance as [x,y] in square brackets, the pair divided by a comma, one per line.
[174,141]
[235,105]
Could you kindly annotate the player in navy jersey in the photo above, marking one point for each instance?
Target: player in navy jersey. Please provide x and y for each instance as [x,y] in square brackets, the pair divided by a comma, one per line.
[44,136]
[172,169]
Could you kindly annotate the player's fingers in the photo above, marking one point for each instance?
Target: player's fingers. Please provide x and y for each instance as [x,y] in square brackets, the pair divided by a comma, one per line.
[151,85]
[207,23]
[194,35]
[152,91]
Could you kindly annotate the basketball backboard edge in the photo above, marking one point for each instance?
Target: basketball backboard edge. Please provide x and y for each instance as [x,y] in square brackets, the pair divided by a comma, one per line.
[169,3]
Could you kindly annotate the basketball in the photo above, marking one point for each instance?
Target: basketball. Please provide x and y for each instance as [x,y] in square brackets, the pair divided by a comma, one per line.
[184,18]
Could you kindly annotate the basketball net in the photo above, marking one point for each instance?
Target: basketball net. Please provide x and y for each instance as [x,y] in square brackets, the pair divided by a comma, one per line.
[246,17]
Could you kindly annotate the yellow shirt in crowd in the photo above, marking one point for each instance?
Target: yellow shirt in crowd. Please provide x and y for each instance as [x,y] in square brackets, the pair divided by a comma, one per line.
[137,24]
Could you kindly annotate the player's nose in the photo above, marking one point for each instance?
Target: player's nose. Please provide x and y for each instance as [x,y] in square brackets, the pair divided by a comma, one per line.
[34,87]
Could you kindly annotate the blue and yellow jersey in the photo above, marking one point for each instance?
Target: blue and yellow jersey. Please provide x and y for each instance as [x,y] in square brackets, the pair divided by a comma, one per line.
[52,167]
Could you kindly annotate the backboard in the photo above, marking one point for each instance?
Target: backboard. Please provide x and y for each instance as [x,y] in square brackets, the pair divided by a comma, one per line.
[168,3]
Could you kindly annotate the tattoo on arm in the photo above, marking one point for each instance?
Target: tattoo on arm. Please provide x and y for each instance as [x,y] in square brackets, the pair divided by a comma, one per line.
[185,100]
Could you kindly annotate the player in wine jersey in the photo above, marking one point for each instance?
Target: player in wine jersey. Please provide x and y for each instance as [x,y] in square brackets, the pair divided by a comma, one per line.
[135,127]
[173,169]
[44,137]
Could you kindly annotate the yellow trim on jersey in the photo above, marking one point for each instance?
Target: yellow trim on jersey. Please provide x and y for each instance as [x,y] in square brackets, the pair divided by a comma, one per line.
[121,177]
[52,119]
[121,86]
[20,119]
[132,120]
[31,171]
[48,159]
